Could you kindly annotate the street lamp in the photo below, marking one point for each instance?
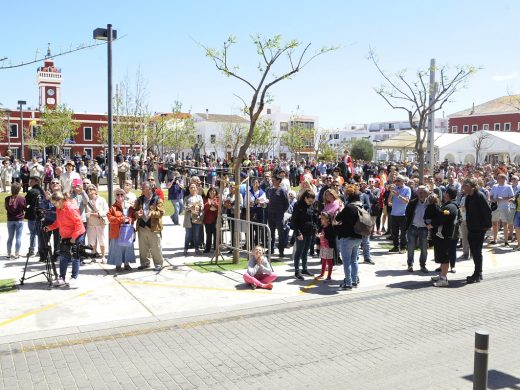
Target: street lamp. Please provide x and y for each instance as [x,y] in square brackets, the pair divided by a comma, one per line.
[21,104]
[107,34]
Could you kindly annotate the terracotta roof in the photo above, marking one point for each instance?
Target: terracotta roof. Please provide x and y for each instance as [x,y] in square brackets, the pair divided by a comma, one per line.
[171,115]
[219,118]
[502,105]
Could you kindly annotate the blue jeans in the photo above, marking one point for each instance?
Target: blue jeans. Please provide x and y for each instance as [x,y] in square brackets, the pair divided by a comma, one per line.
[66,257]
[192,234]
[33,231]
[349,248]
[301,250]
[177,209]
[14,227]
[417,237]
[365,246]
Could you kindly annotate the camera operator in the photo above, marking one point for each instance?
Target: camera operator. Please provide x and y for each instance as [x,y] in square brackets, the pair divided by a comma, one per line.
[72,231]
[48,217]
[33,203]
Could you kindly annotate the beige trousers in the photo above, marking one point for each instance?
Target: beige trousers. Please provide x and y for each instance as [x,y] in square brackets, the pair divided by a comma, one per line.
[149,242]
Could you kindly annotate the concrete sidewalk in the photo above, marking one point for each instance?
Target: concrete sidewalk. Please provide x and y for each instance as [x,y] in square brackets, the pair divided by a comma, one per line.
[105,301]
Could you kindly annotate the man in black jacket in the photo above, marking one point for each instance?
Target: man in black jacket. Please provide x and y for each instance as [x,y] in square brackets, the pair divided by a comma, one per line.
[277,206]
[416,230]
[478,220]
[33,201]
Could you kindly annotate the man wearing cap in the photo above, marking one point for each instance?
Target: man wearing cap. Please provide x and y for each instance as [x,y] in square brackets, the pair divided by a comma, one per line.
[68,176]
[33,201]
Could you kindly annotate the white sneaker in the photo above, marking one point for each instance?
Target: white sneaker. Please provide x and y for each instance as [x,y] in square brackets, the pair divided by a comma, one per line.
[439,234]
[59,283]
[73,283]
[441,283]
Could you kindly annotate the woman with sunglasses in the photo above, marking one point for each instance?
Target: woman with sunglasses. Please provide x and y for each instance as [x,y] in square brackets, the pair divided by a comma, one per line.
[119,252]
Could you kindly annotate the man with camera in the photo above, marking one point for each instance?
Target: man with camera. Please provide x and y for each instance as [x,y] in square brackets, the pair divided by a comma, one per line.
[33,201]
[72,231]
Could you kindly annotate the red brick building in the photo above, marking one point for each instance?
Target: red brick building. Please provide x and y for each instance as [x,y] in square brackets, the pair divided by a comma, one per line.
[86,140]
[501,114]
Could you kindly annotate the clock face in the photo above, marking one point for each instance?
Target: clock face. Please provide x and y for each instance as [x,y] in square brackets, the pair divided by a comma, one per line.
[50,92]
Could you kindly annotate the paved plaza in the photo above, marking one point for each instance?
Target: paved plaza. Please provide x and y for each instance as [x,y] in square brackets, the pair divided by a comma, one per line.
[184,329]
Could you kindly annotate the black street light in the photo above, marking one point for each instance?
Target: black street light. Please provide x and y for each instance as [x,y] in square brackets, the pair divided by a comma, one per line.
[107,34]
[21,104]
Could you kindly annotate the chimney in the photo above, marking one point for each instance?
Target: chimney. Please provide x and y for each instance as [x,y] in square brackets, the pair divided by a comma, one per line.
[207,114]
[473,109]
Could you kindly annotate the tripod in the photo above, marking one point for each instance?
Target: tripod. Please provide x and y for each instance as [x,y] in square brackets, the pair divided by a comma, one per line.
[46,257]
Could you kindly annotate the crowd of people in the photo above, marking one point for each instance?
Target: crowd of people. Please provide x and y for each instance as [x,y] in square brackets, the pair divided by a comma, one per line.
[333,209]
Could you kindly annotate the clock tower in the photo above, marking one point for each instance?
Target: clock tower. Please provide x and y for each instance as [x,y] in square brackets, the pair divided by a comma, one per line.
[49,83]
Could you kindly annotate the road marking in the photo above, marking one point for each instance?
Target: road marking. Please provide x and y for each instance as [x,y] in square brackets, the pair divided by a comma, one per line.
[42,309]
[259,291]
[308,287]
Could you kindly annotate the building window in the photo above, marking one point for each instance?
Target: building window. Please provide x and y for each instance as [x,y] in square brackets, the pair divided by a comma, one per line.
[88,152]
[485,126]
[66,153]
[14,130]
[496,127]
[284,126]
[474,128]
[518,126]
[465,129]
[268,111]
[87,133]
[212,138]
[454,129]
[507,126]
[199,139]
[35,130]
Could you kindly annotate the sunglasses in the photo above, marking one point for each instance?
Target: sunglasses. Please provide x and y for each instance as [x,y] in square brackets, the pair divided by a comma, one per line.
[55,182]
[117,195]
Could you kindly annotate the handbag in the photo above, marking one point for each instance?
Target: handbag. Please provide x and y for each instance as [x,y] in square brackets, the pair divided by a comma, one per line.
[126,235]
[493,206]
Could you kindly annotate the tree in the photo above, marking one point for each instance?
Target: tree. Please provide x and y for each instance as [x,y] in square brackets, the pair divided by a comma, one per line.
[412,97]
[262,141]
[362,149]
[321,138]
[270,51]
[131,114]
[232,136]
[56,129]
[328,153]
[297,139]
[481,142]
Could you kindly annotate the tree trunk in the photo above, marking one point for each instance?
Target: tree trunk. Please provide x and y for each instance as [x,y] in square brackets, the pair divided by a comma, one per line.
[420,157]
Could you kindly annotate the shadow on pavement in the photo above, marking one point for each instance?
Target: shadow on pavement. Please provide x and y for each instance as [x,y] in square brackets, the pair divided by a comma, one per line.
[417,285]
[499,380]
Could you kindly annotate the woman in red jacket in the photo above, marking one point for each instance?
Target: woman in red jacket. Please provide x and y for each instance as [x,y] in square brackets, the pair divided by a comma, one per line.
[71,228]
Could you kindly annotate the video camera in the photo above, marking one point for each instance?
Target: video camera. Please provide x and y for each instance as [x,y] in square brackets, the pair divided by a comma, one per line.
[78,250]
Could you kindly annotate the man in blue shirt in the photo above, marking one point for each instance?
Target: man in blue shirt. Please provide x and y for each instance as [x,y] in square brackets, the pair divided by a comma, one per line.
[400,196]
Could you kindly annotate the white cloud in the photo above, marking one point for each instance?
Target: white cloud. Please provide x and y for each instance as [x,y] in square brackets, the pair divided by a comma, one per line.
[503,77]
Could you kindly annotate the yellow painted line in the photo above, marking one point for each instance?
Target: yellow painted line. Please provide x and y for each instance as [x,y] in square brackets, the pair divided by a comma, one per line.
[308,287]
[257,291]
[42,309]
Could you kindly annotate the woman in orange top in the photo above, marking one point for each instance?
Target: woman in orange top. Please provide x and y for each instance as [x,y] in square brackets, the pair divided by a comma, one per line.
[120,214]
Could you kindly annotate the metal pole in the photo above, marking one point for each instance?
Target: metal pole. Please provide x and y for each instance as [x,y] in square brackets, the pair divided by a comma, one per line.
[110,118]
[21,133]
[480,368]
[9,131]
[431,118]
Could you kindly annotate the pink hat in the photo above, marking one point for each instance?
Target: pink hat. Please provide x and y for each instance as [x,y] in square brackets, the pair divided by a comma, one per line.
[76,182]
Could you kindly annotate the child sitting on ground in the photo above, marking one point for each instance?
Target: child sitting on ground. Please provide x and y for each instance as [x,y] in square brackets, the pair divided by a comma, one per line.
[259,273]
[434,205]
[327,244]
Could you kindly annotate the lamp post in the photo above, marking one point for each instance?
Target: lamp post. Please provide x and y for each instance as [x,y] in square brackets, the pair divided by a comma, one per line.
[21,104]
[107,34]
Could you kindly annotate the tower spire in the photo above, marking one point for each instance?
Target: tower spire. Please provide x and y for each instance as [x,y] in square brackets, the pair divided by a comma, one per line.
[48,50]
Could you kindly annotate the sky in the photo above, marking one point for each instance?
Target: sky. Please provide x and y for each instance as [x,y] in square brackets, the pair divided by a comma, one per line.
[163,40]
